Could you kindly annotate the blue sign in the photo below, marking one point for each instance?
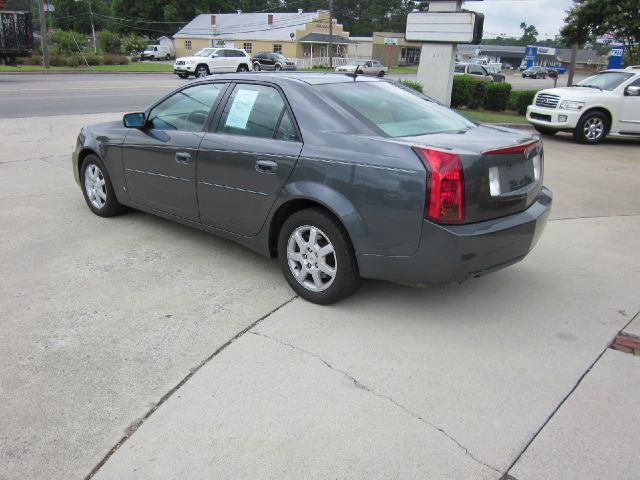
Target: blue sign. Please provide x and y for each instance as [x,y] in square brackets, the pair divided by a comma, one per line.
[616,55]
[530,55]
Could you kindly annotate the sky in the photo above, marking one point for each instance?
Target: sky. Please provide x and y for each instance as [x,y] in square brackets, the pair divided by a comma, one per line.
[505,16]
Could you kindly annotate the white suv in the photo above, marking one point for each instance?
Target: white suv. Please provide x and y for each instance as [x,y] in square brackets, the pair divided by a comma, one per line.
[212,60]
[607,103]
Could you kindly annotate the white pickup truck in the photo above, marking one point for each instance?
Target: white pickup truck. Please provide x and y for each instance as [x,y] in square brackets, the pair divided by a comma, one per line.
[607,103]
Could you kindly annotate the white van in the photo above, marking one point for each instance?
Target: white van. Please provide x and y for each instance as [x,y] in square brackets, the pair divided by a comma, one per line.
[157,52]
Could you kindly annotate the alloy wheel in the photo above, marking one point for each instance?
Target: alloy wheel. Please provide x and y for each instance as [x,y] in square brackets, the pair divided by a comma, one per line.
[95,186]
[311,258]
[201,72]
[593,128]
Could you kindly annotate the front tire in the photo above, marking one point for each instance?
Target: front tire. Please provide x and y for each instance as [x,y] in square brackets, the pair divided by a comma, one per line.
[256,67]
[183,75]
[242,68]
[317,258]
[97,188]
[381,73]
[277,68]
[202,71]
[592,128]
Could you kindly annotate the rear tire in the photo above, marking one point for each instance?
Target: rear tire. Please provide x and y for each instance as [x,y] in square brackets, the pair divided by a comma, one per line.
[97,188]
[256,67]
[277,68]
[545,131]
[321,267]
[592,128]
[242,68]
[183,75]
[381,73]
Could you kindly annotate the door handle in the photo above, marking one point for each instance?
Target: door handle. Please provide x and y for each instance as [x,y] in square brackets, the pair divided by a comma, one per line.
[183,157]
[266,166]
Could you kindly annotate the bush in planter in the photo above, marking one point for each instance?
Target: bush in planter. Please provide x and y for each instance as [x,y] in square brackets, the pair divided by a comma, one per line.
[463,91]
[479,94]
[497,96]
[520,100]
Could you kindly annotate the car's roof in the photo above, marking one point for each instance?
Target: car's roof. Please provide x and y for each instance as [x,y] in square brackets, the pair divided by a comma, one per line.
[311,78]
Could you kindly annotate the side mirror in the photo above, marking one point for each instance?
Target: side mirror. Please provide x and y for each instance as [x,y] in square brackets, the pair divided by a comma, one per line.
[632,91]
[214,55]
[134,120]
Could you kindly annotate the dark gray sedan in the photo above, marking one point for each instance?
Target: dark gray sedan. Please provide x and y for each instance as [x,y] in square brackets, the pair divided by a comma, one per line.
[340,178]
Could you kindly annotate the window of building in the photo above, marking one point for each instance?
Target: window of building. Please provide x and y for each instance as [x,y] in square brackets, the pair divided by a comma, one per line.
[277,48]
[247,47]
[187,44]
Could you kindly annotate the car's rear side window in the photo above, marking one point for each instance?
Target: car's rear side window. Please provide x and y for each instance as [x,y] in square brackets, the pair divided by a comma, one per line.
[394,111]
[257,111]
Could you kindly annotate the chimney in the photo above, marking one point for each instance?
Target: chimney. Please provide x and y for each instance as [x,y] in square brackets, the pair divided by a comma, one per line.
[270,19]
[213,20]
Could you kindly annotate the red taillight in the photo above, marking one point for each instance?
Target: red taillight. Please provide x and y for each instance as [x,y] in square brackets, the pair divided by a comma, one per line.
[445,185]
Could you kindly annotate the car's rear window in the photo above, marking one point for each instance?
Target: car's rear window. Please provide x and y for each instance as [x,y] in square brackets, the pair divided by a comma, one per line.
[395,111]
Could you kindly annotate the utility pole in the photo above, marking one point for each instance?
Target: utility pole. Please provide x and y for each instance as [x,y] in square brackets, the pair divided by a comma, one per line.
[43,35]
[93,29]
[572,67]
[330,33]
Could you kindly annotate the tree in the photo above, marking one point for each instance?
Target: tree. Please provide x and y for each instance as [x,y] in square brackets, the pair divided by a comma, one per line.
[595,17]
[529,34]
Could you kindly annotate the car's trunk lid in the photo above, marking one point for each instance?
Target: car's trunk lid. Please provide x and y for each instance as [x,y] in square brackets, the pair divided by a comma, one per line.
[502,168]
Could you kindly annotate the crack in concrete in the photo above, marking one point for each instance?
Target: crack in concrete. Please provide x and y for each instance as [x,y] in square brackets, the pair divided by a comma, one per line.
[135,425]
[360,385]
[596,216]
[507,476]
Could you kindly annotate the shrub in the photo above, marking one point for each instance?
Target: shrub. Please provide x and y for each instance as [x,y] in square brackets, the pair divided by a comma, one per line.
[57,60]
[109,59]
[133,43]
[497,96]
[109,42]
[93,59]
[411,84]
[479,94]
[122,60]
[319,67]
[34,60]
[66,42]
[463,91]
[520,100]
[72,61]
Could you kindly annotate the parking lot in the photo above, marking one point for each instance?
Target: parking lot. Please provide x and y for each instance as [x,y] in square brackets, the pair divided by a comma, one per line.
[134,347]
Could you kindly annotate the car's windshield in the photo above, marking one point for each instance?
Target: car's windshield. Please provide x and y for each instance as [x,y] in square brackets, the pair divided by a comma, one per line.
[605,80]
[205,52]
[460,67]
[394,111]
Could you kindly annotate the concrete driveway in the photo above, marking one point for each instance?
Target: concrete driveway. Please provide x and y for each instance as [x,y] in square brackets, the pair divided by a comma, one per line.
[134,347]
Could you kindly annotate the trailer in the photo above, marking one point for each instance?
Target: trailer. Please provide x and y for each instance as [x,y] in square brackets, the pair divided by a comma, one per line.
[16,36]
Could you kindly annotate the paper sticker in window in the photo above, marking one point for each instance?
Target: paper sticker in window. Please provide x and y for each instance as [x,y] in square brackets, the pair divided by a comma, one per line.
[241,108]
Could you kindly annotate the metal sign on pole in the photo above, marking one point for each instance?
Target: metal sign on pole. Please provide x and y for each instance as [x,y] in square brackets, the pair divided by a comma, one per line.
[440,30]
[390,42]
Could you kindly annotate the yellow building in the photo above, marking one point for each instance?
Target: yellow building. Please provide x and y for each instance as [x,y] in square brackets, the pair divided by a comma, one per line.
[303,36]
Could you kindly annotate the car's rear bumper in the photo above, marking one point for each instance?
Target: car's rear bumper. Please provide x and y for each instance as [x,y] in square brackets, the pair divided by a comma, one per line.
[553,118]
[453,253]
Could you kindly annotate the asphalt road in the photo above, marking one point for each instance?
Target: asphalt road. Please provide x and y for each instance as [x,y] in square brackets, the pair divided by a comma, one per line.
[68,94]
[57,94]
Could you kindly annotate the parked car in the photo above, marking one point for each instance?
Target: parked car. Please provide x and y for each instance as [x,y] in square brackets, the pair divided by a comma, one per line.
[607,103]
[364,67]
[272,61]
[402,189]
[479,72]
[157,52]
[496,74]
[212,60]
[535,72]
[558,68]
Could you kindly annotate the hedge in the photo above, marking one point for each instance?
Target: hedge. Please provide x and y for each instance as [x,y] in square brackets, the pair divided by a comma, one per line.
[417,86]
[472,93]
[520,100]
[498,95]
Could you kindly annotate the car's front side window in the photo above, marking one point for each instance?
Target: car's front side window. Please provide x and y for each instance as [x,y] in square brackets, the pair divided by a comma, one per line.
[257,111]
[186,110]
